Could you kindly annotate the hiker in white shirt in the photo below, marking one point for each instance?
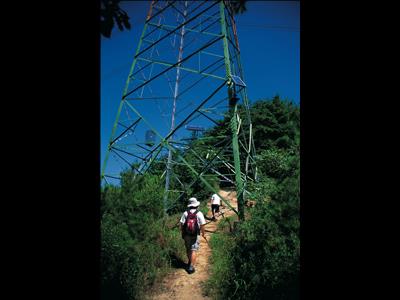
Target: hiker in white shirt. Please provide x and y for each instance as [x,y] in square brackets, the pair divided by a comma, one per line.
[194,219]
[215,203]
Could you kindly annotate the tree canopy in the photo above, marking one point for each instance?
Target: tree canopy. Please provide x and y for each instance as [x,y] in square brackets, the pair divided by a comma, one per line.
[111,12]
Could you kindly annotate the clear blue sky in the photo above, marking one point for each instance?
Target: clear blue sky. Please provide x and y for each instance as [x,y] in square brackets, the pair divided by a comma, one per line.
[269,38]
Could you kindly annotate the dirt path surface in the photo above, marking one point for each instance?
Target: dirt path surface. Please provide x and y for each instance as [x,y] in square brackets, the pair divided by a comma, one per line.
[179,285]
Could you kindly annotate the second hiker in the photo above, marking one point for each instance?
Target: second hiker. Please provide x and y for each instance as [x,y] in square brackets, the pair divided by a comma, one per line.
[191,224]
[215,203]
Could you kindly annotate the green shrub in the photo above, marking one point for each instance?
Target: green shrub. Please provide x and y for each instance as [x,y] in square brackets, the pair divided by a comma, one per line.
[173,238]
[222,266]
[261,258]
[137,242]
[226,224]
[263,189]
[276,163]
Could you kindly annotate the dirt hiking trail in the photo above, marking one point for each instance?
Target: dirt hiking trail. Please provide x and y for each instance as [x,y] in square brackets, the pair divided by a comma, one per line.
[179,285]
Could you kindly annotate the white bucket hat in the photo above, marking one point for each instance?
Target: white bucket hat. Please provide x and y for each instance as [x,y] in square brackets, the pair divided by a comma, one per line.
[193,202]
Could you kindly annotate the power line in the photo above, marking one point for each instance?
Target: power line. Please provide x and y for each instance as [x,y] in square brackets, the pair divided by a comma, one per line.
[272,27]
[124,68]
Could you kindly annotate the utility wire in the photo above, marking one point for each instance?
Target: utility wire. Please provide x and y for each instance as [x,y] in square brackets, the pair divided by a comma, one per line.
[259,26]
[269,27]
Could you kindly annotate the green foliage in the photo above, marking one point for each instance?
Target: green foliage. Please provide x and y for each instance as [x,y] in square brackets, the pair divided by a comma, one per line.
[226,224]
[260,259]
[222,266]
[238,6]
[136,241]
[203,208]
[110,11]
[263,189]
[277,163]
[276,123]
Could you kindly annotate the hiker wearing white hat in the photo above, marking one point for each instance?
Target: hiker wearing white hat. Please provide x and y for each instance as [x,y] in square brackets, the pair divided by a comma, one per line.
[191,224]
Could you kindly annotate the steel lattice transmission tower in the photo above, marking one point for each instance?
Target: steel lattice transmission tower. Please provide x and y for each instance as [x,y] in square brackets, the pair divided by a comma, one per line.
[186,79]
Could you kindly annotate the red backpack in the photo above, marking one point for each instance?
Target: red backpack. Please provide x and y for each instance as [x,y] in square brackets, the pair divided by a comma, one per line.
[191,226]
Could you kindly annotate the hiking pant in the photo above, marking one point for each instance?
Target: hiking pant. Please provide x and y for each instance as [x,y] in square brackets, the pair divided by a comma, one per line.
[214,208]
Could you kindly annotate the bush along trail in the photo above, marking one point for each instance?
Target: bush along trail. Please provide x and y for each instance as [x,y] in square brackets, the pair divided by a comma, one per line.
[181,285]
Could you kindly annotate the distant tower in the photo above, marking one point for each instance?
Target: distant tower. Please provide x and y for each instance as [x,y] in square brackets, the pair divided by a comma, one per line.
[186,76]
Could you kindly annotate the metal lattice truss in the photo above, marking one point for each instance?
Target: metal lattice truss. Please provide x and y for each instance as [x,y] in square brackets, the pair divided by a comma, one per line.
[186,77]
